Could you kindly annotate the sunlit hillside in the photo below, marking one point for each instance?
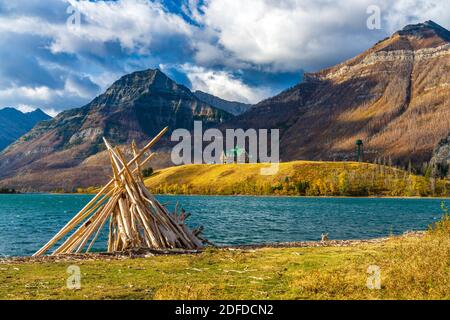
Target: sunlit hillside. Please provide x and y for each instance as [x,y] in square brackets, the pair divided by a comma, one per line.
[303,178]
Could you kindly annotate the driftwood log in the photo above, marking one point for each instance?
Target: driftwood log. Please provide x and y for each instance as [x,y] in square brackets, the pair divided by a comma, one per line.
[135,218]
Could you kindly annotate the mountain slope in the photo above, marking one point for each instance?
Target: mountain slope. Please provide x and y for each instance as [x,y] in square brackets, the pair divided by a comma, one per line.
[233,107]
[394,96]
[66,152]
[441,156]
[14,124]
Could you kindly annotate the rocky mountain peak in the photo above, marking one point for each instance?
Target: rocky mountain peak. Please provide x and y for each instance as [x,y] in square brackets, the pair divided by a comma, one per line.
[425,30]
[14,123]
[135,107]
[414,43]
[134,86]
[10,111]
[146,78]
[426,35]
[38,115]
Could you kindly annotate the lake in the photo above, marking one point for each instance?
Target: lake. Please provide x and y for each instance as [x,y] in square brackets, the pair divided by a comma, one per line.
[28,221]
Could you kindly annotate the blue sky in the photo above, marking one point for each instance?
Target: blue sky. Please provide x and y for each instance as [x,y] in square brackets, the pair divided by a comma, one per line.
[238,50]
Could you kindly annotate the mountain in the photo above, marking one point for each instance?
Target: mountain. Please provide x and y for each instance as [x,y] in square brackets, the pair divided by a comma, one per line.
[233,107]
[395,97]
[14,124]
[68,151]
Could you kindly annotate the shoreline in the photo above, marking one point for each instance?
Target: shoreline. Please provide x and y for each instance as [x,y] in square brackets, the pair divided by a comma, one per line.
[147,253]
[244,196]
[306,197]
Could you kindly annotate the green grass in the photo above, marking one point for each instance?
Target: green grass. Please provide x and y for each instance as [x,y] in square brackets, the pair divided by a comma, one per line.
[411,268]
[299,178]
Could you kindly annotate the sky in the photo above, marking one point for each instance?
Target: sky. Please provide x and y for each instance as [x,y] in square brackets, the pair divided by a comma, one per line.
[60,54]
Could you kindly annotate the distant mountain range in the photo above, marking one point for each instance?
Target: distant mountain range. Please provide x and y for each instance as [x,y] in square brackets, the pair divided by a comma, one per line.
[233,107]
[14,124]
[394,97]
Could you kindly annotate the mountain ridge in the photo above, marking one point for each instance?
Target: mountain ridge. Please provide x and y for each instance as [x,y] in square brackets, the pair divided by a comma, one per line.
[14,124]
[66,151]
[393,96]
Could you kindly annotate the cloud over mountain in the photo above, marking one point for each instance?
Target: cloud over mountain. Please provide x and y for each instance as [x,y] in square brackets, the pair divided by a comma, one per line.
[246,50]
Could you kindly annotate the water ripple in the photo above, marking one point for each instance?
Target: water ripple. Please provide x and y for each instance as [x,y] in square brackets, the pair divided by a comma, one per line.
[28,221]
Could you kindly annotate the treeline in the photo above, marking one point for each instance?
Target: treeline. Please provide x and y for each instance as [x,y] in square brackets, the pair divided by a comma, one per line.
[8,191]
[364,180]
[427,169]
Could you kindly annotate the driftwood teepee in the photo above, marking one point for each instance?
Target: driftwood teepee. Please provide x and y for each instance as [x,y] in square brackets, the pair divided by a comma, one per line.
[136,219]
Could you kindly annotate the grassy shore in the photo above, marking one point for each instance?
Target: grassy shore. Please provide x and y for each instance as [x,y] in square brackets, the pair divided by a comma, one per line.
[299,178]
[412,267]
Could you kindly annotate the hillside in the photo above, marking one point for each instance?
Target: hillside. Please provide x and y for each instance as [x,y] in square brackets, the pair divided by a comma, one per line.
[300,178]
[394,96]
[66,152]
[233,107]
[14,124]
[441,155]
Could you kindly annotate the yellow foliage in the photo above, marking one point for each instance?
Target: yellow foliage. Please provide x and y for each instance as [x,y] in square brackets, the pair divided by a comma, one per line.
[295,178]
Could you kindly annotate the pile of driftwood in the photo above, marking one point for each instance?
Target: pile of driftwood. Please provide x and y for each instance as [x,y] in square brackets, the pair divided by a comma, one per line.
[136,219]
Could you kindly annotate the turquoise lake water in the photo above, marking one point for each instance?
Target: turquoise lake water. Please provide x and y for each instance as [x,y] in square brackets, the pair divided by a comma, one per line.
[28,221]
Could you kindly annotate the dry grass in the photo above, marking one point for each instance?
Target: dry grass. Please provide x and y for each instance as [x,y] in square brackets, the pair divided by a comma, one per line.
[412,267]
[295,178]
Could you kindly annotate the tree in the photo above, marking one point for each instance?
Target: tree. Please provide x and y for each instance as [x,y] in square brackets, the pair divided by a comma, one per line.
[409,167]
[344,183]
[147,172]
[428,171]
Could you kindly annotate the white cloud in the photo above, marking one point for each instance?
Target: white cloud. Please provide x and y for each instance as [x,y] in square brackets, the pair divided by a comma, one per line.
[27,93]
[27,25]
[51,112]
[403,12]
[83,87]
[135,24]
[35,97]
[266,36]
[26,108]
[131,28]
[290,35]
[287,34]
[224,85]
